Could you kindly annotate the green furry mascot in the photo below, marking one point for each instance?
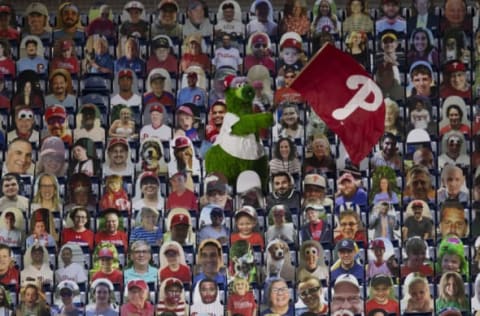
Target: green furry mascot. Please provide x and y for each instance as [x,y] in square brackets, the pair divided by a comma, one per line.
[237,147]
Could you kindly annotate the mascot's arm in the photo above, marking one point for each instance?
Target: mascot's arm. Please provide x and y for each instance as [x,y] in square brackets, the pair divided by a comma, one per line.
[251,123]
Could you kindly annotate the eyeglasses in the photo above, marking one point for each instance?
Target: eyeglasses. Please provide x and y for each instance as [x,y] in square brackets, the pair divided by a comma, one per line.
[281,290]
[351,224]
[257,46]
[309,292]
[289,76]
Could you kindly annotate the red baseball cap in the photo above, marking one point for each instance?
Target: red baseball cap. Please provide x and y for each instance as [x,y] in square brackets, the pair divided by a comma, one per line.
[454,66]
[178,219]
[378,243]
[117,140]
[181,142]
[66,45]
[291,43]
[5,9]
[185,109]
[55,110]
[125,73]
[260,38]
[141,284]
[105,253]
[156,107]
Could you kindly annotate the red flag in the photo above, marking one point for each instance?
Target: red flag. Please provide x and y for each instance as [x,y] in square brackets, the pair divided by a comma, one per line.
[343,94]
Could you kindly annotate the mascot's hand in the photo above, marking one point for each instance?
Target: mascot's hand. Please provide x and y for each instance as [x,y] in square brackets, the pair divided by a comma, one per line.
[251,123]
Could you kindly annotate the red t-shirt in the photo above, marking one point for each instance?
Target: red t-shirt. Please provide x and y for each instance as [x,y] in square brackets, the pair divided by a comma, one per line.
[187,200]
[10,33]
[70,64]
[118,239]
[170,64]
[11,277]
[84,238]
[183,274]
[116,277]
[255,239]
[241,304]
[425,270]
[7,67]
[391,306]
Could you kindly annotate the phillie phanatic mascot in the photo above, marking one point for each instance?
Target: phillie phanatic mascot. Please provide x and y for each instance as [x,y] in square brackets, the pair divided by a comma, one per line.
[237,147]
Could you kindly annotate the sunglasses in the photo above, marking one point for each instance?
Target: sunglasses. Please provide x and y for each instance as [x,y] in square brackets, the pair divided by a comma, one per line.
[309,292]
[260,46]
[55,120]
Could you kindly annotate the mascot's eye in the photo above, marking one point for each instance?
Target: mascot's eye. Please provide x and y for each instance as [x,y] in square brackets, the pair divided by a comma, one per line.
[240,84]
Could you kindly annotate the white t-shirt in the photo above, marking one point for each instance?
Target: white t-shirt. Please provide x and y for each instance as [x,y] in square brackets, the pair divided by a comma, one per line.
[227,57]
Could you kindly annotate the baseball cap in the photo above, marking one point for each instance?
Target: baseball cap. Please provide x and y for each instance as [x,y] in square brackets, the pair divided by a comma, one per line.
[178,219]
[216,185]
[417,203]
[52,145]
[88,108]
[315,206]
[125,73]
[156,76]
[141,284]
[156,107]
[260,38]
[117,140]
[377,243]
[380,279]
[346,278]
[160,41]
[36,7]
[250,211]
[346,244]
[347,176]
[174,281]
[185,109]
[105,253]
[389,35]
[216,211]
[55,110]
[291,43]
[181,142]
[147,175]
[315,179]
[66,45]
[67,285]
[454,66]
[168,3]
[5,9]
[134,5]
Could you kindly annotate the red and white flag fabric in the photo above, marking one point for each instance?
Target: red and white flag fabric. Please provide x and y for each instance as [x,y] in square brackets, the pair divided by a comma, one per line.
[347,99]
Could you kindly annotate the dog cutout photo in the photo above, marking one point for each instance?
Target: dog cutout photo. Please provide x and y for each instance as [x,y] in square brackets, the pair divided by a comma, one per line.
[152,158]
[278,261]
